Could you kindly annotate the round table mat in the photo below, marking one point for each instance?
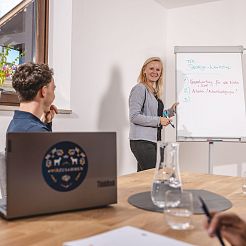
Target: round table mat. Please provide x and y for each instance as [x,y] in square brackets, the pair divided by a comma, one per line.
[213,201]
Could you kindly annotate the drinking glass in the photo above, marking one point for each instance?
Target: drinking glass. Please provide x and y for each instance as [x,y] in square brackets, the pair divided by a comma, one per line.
[178,209]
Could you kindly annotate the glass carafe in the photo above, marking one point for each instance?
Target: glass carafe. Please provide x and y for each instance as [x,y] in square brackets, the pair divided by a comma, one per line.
[167,174]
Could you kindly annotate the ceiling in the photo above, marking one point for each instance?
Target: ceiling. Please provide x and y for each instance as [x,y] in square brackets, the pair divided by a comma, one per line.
[170,4]
[7,5]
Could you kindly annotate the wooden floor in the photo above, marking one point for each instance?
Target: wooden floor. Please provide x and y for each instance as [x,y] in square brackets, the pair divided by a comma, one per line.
[56,229]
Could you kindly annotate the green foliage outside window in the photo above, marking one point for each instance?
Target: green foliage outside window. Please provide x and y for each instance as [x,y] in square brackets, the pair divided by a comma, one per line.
[7,69]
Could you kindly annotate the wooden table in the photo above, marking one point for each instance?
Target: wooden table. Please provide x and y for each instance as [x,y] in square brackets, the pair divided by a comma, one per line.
[56,229]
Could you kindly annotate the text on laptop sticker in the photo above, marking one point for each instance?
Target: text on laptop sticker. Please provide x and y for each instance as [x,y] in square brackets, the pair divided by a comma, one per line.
[64,166]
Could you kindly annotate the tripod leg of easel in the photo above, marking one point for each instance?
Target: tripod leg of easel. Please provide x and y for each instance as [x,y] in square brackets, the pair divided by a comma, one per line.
[210,164]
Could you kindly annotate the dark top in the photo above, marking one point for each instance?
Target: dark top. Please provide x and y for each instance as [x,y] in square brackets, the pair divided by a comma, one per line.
[27,122]
[159,113]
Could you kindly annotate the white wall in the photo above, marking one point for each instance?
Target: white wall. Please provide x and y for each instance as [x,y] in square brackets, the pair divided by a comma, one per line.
[60,49]
[216,24]
[110,41]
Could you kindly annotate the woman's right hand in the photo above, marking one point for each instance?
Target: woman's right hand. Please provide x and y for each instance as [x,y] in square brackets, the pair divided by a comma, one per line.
[164,121]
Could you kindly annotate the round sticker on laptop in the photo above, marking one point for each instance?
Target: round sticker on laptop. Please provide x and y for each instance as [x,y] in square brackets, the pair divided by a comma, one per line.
[64,166]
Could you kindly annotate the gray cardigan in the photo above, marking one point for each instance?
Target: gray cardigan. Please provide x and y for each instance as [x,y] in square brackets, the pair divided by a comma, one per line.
[143,108]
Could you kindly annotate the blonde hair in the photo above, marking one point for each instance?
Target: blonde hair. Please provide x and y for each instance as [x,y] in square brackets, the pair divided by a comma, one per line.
[159,83]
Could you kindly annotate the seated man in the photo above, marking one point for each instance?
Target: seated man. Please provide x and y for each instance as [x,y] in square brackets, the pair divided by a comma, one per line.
[35,88]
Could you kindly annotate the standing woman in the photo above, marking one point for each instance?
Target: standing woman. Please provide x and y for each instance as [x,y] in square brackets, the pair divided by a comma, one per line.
[146,113]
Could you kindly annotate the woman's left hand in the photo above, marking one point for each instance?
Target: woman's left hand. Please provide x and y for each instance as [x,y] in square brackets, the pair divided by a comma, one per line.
[174,107]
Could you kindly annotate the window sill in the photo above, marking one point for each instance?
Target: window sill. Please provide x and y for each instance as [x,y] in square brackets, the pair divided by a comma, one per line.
[12,108]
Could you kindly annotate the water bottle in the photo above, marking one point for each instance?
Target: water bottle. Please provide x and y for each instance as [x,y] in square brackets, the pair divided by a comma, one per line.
[167,174]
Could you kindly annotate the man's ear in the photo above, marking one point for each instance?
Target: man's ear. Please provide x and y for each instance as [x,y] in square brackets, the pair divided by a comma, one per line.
[43,91]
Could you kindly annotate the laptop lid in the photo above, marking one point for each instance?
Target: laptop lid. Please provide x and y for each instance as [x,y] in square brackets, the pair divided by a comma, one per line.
[61,171]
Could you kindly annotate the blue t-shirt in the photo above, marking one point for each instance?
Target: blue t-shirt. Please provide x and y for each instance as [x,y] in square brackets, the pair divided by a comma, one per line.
[27,122]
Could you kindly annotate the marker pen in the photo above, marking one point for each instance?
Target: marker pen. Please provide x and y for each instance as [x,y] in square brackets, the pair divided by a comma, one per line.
[165,114]
[206,211]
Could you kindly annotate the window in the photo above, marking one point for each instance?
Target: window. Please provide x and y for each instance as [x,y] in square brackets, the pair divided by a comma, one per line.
[24,28]
[7,5]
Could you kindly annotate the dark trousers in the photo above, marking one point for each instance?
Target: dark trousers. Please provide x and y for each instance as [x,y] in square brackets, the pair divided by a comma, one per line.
[145,153]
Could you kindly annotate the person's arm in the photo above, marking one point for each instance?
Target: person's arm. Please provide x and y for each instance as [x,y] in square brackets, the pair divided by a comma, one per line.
[231,227]
[137,99]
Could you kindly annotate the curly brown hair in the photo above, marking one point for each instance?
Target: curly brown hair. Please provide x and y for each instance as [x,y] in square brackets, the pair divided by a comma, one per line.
[29,78]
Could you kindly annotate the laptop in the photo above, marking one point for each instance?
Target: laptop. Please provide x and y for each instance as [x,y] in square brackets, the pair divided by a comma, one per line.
[62,171]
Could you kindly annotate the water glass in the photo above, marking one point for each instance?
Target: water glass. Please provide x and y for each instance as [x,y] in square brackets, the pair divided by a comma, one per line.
[178,209]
